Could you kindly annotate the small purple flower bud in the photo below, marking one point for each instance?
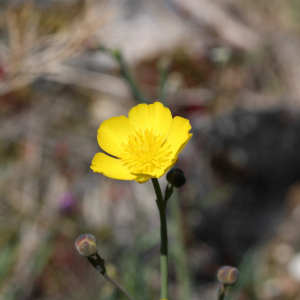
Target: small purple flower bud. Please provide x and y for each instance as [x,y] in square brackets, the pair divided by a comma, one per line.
[67,204]
[86,245]
[176,178]
[228,275]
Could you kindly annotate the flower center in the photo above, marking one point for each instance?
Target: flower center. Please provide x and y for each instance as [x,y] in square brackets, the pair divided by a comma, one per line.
[146,152]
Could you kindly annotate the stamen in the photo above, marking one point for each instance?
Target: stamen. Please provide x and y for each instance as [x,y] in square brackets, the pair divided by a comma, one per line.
[146,152]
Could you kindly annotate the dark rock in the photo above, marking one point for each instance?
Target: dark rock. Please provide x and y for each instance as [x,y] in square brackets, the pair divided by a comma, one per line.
[259,154]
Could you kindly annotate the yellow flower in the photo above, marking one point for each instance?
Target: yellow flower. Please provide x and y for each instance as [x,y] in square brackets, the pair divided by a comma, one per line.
[145,144]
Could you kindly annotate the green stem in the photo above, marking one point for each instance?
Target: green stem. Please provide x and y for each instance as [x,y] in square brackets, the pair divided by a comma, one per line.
[137,92]
[127,74]
[99,265]
[222,289]
[164,239]
[164,66]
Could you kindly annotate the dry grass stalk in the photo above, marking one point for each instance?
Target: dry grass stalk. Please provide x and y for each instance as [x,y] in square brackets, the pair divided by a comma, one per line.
[32,54]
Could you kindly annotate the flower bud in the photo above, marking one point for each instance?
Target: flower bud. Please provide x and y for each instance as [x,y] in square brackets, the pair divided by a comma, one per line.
[86,245]
[176,178]
[228,275]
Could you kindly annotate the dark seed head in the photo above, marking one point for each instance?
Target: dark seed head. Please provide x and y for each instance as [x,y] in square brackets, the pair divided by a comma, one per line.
[176,178]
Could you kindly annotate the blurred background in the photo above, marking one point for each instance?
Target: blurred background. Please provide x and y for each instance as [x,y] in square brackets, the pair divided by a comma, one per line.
[231,67]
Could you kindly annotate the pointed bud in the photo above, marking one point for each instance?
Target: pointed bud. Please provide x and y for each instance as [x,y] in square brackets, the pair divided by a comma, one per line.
[176,178]
[228,275]
[86,245]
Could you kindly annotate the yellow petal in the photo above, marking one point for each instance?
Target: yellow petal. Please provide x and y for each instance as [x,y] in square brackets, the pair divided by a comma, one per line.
[150,116]
[160,172]
[113,132]
[179,134]
[172,163]
[142,178]
[156,173]
[110,167]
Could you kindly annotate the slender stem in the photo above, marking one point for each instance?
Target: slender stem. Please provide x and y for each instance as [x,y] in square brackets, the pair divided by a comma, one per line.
[221,294]
[99,265]
[168,193]
[127,74]
[137,92]
[164,239]
[164,66]
[118,286]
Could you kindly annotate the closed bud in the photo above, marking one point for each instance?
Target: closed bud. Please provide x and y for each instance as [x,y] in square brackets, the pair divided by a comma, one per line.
[86,245]
[228,275]
[176,178]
